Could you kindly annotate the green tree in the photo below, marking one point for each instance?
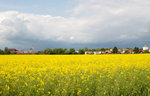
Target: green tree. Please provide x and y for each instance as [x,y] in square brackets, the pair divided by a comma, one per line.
[66,51]
[136,50]
[60,51]
[86,49]
[1,51]
[127,52]
[107,48]
[6,50]
[115,50]
[93,49]
[102,49]
[39,52]
[47,51]
[55,51]
[97,49]
[89,49]
[146,51]
[129,48]
[13,52]
[71,51]
[81,51]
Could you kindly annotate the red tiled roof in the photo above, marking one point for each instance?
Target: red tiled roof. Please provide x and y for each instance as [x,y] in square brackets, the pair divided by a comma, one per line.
[12,49]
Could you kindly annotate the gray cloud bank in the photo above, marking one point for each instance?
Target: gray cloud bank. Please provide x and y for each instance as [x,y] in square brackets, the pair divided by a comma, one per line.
[92,23]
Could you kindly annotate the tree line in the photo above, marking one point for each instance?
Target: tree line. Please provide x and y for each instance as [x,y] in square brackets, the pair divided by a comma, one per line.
[115,50]
[71,50]
[5,51]
[60,51]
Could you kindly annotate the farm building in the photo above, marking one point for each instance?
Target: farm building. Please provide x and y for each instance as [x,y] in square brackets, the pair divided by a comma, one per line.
[12,50]
[145,48]
[89,52]
[98,52]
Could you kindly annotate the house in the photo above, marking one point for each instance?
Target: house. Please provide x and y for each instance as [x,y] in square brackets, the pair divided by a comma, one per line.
[12,50]
[25,52]
[89,52]
[108,51]
[123,51]
[102,52]
[141,51]
[97,52]
[20,52]
[145,48]
[131,51]
[111,49]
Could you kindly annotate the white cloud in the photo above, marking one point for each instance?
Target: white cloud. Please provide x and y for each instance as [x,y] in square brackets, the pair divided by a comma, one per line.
[72,38]
[93,21]
[15,25]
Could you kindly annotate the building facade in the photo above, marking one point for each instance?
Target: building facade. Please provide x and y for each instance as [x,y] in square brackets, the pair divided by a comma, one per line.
[145,48]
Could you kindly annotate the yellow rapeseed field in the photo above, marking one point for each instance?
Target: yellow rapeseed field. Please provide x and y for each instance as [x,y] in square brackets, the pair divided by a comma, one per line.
[75,75]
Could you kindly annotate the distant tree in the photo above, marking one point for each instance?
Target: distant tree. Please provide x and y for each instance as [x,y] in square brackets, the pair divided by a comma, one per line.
[71,51]
[60,51]
[141,49]
[86,49]
[6,50]
[47,51]
[107,48]
[81,51]
[115,50]
[55,51]
[102,49]
[66,51]
[146,51]
[1,51]
[39,52]
[89,49]
[93,49]
[97,49]
[136,50]
[13,52]
[129,48]
[127,52]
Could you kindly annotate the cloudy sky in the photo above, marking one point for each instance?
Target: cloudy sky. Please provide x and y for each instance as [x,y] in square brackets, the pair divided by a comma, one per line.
[74,23]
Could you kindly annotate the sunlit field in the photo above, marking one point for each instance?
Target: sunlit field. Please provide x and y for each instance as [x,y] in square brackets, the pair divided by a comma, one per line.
[75,75]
